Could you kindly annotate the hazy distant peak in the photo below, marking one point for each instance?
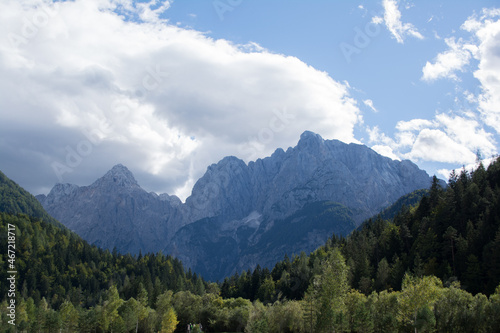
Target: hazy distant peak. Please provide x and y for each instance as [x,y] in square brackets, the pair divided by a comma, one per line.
[120,176]
[231,160]
[172,199]
[309,137]
[59,192]
[65,188]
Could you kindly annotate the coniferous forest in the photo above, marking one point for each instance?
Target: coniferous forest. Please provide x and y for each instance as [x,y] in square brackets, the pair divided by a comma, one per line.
[431,265]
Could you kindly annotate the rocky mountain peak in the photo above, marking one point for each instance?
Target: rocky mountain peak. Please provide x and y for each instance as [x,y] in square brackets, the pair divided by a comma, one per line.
[59,192]
[309,138]
[119,175]
[230,162]
[172,199]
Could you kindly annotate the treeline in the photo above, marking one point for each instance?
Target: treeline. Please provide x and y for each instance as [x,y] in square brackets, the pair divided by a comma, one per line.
[16,200]
[170,312]
[55,265]
[422,305]
[452,233]
[329,305]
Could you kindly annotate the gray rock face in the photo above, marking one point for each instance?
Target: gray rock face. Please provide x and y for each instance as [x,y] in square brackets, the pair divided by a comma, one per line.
[315,170]
[114,212]
[232,218]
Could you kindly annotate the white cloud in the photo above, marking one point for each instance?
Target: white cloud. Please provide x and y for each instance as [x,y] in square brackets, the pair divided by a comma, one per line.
[483,46]
[457,135]
[376,136]
[447,138]
[435,145]
[413,125]
[468,133]
[148,14]
[377,20]
[369,103]
[385,151]
[486,29]
[384,144]
[447,63]
[163,100]
[445,173]
[392,19]
[469,167]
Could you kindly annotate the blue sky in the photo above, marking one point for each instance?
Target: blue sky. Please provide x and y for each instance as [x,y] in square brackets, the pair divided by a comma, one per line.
[339,37]
[169,87]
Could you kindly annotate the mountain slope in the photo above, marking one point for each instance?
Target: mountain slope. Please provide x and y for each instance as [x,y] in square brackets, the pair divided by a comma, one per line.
[15,200]
[408,200]
[114,212]
[56,264]
[215,248]
[235,205]
[452,233]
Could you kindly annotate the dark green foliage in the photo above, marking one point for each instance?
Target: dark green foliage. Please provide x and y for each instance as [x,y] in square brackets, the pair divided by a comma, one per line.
[15,200]
[58,265]
[452,233]
[55,267]
[409,200]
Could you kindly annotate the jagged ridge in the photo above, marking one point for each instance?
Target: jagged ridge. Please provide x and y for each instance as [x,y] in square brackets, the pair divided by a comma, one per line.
[115,212]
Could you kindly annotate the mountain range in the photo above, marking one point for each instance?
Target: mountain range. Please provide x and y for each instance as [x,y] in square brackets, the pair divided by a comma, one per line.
[240,215]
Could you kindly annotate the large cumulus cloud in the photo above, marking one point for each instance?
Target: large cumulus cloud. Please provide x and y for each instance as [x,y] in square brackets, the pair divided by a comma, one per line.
[90,83]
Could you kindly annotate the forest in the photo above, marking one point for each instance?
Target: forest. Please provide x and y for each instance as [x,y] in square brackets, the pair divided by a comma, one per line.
[433,266]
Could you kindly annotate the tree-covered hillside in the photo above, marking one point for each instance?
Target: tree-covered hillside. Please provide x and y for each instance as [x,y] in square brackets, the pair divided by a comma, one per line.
[55,267]
[429,268]
[409,200]
[15,200]
[450,233]
[58,265]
